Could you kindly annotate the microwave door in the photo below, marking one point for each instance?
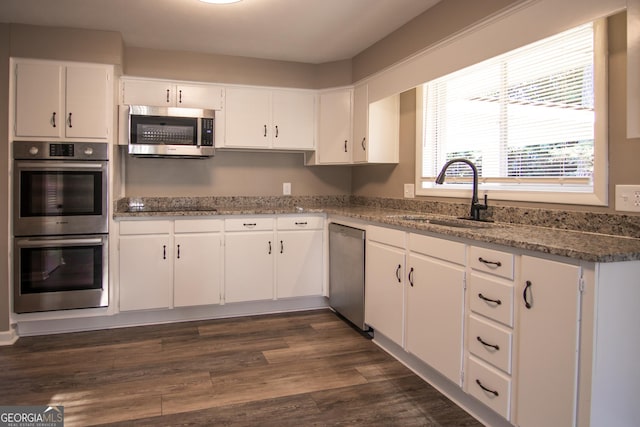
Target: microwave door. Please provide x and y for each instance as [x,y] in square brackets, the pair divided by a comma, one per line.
[158,130]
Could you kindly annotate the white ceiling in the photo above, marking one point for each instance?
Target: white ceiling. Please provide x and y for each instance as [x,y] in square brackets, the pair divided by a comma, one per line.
[311,31]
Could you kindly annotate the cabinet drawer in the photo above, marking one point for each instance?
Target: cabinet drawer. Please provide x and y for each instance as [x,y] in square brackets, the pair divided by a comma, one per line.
[497,395]
[490,261]
[300,222]
[491,298]
[387,236]
[145,227]
[490,342]
[249,224]
[198,225]
[437,248]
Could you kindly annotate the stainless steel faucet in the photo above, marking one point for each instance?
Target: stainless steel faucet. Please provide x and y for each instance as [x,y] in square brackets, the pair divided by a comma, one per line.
[476,207]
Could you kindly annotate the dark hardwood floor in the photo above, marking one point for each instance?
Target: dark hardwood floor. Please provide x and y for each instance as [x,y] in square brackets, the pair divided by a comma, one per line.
[303,369]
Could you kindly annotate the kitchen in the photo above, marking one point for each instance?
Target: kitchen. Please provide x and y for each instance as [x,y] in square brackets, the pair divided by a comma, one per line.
[226,174]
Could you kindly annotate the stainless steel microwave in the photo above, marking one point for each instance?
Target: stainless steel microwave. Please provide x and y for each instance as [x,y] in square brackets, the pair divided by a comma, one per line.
[170,132]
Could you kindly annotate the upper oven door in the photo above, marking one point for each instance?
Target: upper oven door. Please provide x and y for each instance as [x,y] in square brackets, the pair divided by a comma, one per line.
[55,197]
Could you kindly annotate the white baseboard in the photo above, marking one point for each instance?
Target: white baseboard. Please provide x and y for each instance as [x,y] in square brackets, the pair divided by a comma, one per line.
[8,337]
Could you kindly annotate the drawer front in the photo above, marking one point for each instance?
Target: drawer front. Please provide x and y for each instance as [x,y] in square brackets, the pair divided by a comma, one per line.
[497,386]
[490,261]
[387,236]
[491,298]
[490,342]
[249,224]
[145,227]
[198,225]
[300,222]
[438,248]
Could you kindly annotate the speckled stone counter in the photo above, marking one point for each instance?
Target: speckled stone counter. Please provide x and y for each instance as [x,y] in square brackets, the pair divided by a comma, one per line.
[608,238]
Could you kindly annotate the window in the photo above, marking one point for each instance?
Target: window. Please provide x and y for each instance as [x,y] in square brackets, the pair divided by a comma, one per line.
[529,120]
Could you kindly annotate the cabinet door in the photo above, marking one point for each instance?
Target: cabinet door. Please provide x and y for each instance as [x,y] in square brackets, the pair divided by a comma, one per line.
[248,272]
[435,314]
[360,122]
[197,271]
[334,128]
[299,263]
[384,290]
[88,90]
[146,272]
[293,120]
[383,130]
[38,107]
[199,96]
[140,92]
[248,121]
[547,331]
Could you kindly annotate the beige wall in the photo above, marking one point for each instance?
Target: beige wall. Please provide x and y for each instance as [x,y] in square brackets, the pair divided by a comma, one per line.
[4,184]
[232,173]
[444,19]
[623,153]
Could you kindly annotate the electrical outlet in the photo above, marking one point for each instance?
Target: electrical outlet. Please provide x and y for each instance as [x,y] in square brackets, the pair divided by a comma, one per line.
[628,198]
[409,191]
[286,188]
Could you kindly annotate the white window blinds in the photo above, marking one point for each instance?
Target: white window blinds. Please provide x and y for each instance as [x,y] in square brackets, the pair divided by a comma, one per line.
[525,118]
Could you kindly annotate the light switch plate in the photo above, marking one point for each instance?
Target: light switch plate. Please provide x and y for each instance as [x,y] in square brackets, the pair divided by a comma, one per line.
[628,198]
[286,188]
[409,191]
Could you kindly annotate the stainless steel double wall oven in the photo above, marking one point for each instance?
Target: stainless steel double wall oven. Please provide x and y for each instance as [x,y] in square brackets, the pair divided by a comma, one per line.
[60,225]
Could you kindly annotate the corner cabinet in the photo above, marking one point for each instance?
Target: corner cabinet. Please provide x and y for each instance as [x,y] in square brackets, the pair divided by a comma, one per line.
[334,128]
[63,100]
[263,118]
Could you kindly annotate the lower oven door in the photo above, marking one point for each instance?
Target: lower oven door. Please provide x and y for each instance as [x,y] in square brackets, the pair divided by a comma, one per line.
[60,273]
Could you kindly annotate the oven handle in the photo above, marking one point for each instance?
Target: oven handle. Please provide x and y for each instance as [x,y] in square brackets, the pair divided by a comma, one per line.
[54,242]
[58,165]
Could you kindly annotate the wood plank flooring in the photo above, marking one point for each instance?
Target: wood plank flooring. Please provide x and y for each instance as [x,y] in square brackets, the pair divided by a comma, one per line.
[304,369]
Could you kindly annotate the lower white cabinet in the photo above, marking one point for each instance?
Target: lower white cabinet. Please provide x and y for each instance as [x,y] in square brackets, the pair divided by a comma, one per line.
[249,259]
[197,262]
[385,282]
[165,264]
[299,256]
[435,303]
[146,265]
[547,331]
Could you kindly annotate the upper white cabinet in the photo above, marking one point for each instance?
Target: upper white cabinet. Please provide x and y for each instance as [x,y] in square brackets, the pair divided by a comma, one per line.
[334,128]
[376,128]
[171,94]
[63,100]
[261,118]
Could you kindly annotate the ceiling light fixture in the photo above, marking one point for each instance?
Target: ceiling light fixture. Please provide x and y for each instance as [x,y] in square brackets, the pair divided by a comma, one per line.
[220,1]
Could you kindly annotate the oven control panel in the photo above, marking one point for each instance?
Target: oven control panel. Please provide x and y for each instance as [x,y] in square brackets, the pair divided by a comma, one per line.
[43,150]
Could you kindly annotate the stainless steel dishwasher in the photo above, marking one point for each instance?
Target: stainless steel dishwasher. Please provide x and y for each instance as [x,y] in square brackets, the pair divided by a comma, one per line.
[346,272]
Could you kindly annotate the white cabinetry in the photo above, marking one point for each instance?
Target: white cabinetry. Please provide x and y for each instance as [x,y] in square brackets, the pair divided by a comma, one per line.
[161,93]
[299,256]
[385,279]
[198,260]
[376,128]
[489,333]
[146,265]
[249,260]
[334,128]
[435,303]
[262,118]
[63,100]
[547,366]
[165,264]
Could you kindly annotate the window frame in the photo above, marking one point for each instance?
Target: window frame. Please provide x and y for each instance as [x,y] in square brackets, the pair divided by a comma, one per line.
[599,195]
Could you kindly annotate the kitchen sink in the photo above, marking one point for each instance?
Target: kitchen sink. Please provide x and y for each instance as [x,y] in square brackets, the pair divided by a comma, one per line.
[447,222]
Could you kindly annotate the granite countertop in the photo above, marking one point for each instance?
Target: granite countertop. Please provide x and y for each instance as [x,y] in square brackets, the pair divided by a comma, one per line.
[586,246]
